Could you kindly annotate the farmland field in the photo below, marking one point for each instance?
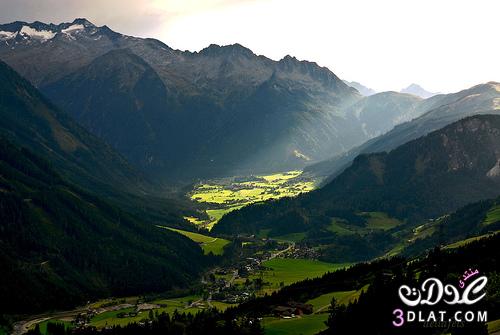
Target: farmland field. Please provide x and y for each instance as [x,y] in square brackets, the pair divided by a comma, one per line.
[229,194]
[209,244]
[288,271]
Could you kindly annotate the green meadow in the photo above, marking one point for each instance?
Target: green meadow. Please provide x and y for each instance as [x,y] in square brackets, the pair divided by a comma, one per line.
[305,325]
[288,271]
[226,195]
[467,241]
[374,221]
[43,325]
[492,216]
[209,244]
[313,323]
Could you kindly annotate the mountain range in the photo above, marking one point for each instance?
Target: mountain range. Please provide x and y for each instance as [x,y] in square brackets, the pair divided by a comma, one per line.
[101,133]
[252,114]
[435,113]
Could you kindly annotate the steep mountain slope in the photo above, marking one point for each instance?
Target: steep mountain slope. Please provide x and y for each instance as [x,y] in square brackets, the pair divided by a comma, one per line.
[465,225]
[220,111]
[30,120]
[420,180]
[61,246]
[43,53]
[206,133]
[428,177]
[380,112]
[119,98]
[437,112]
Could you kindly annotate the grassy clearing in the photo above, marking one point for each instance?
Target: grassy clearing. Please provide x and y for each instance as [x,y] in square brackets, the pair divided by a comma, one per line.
[310,324]
[288,271]
[374,221]
[493,326]
[194,220]
[322,303]
[469,240]
[294,237]
[111,318]
[43,325]
[222,306]
[182,304]
[424,230]
[380,221]
[305,325]
[492,216]
[226,195]
[338,227]
[209,244]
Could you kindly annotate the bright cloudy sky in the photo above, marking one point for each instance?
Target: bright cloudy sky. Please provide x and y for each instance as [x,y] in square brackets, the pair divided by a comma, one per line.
[444,45]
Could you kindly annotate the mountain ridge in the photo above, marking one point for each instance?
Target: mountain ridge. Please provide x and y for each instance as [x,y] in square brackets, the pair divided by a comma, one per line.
[435,112]
[420,180]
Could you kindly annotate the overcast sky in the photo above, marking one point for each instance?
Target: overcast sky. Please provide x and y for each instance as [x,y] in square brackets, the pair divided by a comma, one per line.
[444,45]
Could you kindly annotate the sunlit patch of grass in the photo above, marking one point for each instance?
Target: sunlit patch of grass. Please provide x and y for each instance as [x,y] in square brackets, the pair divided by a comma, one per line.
[209,244]
[492,216]
[469,240]
[43,325]
[228,195]
[289,271]
[194,220]
[304,325]
[493,326]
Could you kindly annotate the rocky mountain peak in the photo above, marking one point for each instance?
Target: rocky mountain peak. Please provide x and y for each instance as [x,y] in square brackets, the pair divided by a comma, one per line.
[20,32]
[236,49]
[418,90]
[322,74]
[86,23]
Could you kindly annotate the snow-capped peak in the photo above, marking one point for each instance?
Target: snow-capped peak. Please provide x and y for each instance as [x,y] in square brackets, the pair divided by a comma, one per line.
[73,28]
[19,32]
[38,34]
[7,35]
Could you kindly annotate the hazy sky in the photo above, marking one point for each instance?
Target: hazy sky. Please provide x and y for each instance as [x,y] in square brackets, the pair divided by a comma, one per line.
[444,45]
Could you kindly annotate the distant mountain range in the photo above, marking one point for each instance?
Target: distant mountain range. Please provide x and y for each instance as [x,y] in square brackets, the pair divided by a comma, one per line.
[181,115]
[418,91]
[365,91]
[435,113]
